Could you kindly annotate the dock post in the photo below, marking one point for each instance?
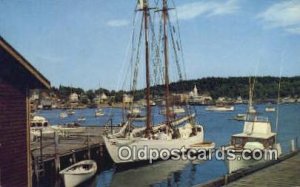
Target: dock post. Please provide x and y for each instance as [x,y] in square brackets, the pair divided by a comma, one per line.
[74,156]
[89,148]
[293,145]
[57,159]
[226,179]
[101,150]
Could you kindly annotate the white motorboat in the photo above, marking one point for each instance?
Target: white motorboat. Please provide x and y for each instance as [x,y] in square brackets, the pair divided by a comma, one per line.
[270,108]
[81,119]
[240,117]
[70,112]
[134,111]
[78,173]
[220,108]
[172,133]
[99,112]
[173,110]
[135,114]
[67,129]
[39,121]
[63,115]
[38,125]
[257,135]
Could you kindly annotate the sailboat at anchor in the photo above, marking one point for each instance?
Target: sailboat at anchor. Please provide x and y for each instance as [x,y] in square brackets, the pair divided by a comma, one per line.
[172,133]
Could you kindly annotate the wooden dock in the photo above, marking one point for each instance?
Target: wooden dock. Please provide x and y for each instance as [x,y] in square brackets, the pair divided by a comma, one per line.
[280,172]
[285,173]
[52,153]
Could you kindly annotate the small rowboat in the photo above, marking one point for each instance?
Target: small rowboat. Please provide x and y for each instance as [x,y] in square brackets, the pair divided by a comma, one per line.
[78,173]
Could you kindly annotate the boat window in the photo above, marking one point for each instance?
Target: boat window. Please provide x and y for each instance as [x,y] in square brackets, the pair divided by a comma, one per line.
[237,142]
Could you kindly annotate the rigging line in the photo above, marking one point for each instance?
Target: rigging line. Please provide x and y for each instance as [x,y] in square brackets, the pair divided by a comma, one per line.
[175,51]
[180,41]
[159,51]
[278,97]
[137,62]
[132,50]
[127,50]
[153,48]
[121,72]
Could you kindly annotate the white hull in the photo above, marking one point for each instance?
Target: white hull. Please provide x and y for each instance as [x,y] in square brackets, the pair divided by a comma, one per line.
[98,114]
[64,131]
[240,163]
[270,109]
[113,145]
[241,117]
[219,109]
[73,177]
[175,110]
[45,131]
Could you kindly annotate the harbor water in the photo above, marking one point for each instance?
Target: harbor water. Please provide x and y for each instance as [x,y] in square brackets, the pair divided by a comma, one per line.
[218,127]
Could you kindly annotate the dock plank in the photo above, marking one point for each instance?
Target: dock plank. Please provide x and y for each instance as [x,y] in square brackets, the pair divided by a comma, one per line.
[68,144]
[285,173]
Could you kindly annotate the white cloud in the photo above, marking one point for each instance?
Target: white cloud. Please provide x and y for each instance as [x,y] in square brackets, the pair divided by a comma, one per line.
[118,23]
[207,8]
[285,14]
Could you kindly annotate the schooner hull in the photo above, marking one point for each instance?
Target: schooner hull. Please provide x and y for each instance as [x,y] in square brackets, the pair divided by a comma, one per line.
[113,146]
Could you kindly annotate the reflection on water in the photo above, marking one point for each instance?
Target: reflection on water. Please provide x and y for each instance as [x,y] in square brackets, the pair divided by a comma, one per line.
[218,127]
[150,174]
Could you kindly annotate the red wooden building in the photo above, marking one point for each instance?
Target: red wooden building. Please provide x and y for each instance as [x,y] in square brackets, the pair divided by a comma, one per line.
[17,77]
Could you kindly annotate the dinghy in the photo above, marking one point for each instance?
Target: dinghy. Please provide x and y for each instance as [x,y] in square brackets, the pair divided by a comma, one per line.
[78,173]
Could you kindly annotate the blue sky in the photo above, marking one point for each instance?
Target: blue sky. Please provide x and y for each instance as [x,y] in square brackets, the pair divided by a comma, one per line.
[85,43]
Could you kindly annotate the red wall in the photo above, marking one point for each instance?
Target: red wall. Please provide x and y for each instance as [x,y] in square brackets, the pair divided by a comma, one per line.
[13,146]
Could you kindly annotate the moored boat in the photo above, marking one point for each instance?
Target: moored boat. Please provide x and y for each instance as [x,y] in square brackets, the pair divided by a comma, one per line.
[81,119]
[240,117]
[173,110]
[220,108]
[257,135]
[257,138]
[99,112]
[70,112]
[63,115]
[67,129]
[39,125]
[270,108]
[78,173]
[175,132]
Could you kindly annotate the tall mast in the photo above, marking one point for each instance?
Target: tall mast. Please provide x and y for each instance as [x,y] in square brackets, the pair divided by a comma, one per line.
[165,16]
[146,14]
[250,95]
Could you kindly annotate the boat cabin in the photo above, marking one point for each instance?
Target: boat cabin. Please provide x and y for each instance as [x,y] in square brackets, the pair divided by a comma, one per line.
[258,130]
[38,121]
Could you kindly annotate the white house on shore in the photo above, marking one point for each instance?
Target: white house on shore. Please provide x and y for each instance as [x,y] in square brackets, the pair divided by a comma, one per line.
[73,98]
[195,98]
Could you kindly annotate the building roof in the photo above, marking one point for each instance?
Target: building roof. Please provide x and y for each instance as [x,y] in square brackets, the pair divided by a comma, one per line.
[24,63]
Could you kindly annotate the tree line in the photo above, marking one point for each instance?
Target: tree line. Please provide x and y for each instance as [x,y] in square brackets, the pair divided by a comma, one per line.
[265,88]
